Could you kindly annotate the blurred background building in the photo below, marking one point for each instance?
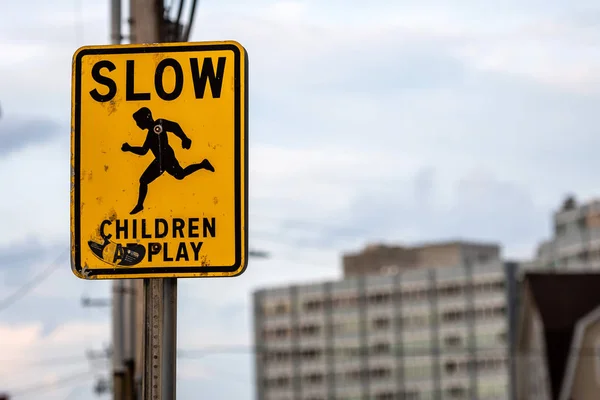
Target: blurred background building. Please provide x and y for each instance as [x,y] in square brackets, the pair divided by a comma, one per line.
[408,333]
[575,243]
[440,321]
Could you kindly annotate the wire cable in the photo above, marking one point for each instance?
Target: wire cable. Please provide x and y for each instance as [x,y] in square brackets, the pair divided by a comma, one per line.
[188,28]
[54,361]
[61,382]
[201,352]
[27,287]
[179,12]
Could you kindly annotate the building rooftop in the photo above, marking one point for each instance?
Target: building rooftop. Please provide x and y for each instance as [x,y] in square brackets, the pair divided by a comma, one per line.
[371,247]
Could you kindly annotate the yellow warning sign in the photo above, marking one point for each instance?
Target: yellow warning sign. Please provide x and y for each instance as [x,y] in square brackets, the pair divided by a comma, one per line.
[159,160]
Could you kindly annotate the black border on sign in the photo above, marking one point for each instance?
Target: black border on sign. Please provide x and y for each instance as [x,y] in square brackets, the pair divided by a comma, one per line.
[241,260]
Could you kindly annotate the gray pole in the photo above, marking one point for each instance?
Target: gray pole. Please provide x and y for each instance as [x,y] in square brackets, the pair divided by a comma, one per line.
[117,285]
[169,339]
[159,295]
[117,341]
[115,22]
[129,332]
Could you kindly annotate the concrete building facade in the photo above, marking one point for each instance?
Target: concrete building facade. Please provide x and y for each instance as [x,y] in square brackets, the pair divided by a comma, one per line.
[423,334]
[575,243]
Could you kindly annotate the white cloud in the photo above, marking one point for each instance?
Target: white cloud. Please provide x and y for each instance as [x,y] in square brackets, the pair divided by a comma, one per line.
[192,371]
[19,54]
[38,178]
[27,352]
[286,10]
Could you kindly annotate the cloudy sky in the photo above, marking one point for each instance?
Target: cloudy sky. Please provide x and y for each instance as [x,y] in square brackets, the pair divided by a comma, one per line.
[382,120]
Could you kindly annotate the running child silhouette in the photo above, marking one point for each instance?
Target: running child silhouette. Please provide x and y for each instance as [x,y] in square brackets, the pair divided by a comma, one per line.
[157,142]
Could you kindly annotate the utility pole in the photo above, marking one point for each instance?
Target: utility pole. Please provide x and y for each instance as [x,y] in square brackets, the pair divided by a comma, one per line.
[118,286]
[146,26]
[130,339]
[118,338]
[153,336]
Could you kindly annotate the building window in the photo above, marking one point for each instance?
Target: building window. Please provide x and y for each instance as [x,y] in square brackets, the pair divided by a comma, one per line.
[415,295]
[314,379]
[412,395]
[380,373]
[489,286]
[345,301]
[313,305]
[281,307]
[353,375]
[456,392]
[310,330]
[381,348]
[276,356]
[451,367]
[310,354]
[453,316]
[278,382]
[276,333]
[491,364]
[450,290]
[452,341]
[379,298]
[381,323]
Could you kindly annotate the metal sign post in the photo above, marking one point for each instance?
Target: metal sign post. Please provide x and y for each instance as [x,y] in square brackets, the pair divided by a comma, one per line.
[169,339]
[160,341]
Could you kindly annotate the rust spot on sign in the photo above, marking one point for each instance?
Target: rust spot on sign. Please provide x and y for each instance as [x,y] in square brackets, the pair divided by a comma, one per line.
[204,261]
[215,200]
[112,106]
[112,215]
[158,57]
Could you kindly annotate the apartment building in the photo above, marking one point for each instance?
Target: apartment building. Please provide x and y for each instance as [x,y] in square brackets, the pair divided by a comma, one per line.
[420,334]
[575,243]
[377,259]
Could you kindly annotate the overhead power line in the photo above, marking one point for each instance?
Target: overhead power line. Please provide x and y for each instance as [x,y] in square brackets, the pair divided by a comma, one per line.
[54,361]
[44,387]
[27,287]
[188,28]
[192,353]
[179,11]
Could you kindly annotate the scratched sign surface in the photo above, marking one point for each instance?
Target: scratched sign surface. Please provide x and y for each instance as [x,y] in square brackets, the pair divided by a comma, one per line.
[159,161]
